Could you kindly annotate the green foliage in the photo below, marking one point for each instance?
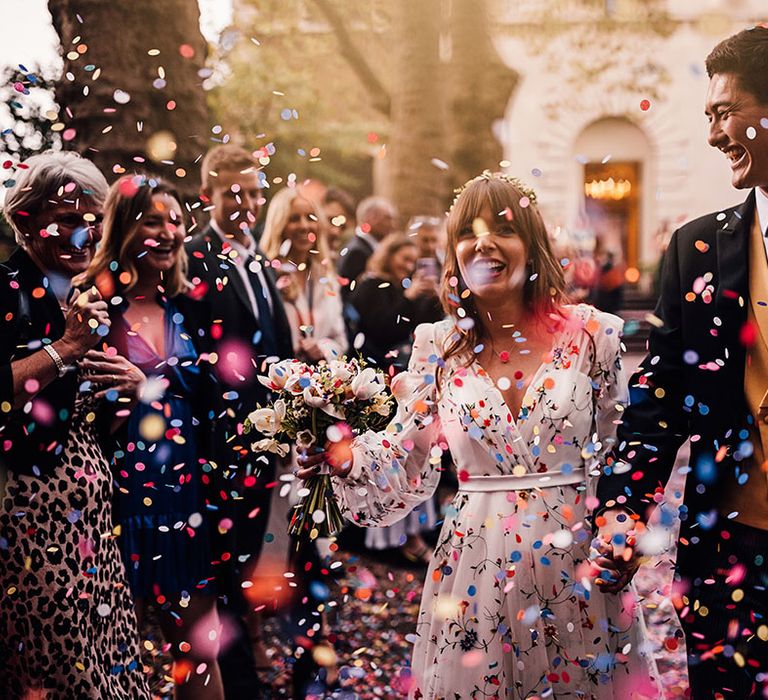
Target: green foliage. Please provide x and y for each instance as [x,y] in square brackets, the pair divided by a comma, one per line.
[280,78]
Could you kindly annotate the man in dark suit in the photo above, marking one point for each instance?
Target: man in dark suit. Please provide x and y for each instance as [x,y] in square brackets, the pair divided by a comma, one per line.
[375,221]
[249,327]
[706,378]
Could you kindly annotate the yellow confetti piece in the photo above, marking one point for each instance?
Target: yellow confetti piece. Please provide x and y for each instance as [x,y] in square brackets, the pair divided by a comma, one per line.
[737,595]
[152,427]
[324,655]
[654,320]
[762,632]
[11,590]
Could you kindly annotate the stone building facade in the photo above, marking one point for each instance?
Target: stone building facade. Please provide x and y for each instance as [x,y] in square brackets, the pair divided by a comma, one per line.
[611,97]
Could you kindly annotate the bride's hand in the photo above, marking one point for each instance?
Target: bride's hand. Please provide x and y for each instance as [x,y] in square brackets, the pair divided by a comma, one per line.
[310,464]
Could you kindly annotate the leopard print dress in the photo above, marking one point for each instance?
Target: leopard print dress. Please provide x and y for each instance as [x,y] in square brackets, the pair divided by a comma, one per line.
[67,621]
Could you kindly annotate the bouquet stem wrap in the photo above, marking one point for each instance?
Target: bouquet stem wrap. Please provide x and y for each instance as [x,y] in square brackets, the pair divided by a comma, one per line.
[317,514]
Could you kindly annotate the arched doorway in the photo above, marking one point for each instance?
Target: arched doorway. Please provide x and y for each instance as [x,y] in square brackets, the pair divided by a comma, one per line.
[615,185]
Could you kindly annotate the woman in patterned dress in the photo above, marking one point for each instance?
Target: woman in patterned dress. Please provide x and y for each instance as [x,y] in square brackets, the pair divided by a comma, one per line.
[67,623]
[525,391]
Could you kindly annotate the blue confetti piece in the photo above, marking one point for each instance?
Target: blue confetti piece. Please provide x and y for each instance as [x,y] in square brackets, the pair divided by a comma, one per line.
[80,237]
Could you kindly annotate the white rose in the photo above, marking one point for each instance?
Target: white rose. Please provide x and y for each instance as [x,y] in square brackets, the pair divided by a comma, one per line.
[367,384]
[268,421]
[280,373]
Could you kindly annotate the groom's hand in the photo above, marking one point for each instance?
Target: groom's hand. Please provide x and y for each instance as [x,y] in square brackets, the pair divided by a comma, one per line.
[614,550]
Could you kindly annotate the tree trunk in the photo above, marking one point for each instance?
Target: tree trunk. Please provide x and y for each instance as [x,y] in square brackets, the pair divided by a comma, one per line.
[166,97]
[479,88]
[415,185]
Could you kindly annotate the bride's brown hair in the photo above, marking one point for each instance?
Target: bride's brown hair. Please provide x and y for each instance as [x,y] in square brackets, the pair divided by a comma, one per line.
[544,294]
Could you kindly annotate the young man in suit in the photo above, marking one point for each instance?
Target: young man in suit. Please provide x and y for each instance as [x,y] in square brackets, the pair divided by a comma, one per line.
[375,221]
[706,378]
[249,326]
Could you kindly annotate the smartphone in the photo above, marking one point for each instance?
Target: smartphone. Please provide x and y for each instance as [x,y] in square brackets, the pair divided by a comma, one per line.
[427,267]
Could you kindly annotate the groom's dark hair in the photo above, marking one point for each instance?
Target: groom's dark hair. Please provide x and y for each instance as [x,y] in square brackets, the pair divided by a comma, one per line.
[744,55]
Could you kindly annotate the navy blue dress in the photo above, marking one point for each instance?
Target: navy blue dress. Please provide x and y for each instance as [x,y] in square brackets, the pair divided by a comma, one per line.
[160,500]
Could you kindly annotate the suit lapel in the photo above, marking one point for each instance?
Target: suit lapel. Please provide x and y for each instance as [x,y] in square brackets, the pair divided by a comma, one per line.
[733,263]
[220,256]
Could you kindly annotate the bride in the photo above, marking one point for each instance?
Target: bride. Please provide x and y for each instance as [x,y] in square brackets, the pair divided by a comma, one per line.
[525,391]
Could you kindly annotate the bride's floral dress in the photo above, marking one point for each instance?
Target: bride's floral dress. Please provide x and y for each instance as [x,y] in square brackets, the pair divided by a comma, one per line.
[509,609]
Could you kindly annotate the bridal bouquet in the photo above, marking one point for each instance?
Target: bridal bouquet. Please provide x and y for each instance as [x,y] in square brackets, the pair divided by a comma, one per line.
[330,401]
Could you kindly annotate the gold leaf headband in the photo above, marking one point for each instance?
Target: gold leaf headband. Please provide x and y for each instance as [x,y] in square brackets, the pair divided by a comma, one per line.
[488,175]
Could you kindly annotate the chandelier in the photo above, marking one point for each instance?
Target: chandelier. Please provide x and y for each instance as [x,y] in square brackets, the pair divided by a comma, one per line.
[608,189]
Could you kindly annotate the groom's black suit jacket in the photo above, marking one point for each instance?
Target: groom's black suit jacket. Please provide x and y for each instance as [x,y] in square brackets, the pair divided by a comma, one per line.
[234,320]
[691,383]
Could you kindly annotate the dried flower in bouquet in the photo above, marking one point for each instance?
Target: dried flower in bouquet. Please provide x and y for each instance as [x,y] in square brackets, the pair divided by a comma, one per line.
[330,400]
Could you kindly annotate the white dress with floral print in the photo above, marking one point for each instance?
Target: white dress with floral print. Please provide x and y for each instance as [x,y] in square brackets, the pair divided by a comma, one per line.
[508,608]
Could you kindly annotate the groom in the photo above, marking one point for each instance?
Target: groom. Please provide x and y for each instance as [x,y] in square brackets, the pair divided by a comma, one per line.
[706,378]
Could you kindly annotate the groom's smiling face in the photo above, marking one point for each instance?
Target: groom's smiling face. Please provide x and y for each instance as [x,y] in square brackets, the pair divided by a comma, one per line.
[738,126]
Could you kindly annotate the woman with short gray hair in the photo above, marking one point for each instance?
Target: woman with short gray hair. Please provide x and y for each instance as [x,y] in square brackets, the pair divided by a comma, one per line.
[67,623]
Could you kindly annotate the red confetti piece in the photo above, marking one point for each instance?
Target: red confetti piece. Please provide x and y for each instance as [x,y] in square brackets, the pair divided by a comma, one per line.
[748,334]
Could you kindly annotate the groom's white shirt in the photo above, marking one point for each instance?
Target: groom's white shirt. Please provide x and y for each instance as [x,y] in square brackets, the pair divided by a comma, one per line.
[762,214]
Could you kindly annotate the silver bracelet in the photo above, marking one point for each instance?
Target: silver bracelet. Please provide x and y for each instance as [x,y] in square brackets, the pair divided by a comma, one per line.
[61,368]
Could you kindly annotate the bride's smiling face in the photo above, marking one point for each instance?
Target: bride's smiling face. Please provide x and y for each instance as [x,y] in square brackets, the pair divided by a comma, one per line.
[491,256]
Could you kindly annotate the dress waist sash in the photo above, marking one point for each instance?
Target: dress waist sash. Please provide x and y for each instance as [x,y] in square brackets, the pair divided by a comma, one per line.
[510,482]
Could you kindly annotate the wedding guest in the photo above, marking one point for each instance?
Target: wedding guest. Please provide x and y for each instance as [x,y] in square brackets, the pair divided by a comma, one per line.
[390,300]
[375,221]
[67,621]
[524,390]
[339,210]
[249,325]
[294,239]
[704,378]
[428,233]
[161,409]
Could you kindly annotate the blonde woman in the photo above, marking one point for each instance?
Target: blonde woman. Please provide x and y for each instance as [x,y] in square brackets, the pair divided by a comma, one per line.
[294,238]
[160,422]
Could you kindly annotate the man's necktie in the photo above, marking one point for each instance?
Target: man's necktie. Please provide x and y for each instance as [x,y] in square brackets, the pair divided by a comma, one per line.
[268,341]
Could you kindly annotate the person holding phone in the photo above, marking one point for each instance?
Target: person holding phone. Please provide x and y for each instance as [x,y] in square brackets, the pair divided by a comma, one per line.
[389,301]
